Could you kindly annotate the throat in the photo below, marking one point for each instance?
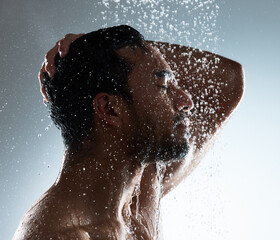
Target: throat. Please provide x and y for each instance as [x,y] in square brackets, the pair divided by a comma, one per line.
[142,213]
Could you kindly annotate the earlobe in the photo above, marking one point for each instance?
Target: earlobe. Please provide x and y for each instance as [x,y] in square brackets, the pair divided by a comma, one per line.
[105,106]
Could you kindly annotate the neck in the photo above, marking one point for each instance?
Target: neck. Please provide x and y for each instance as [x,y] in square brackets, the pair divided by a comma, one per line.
[103,176]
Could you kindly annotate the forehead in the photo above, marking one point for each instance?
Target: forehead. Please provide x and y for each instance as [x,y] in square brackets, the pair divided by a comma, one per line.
[144,62]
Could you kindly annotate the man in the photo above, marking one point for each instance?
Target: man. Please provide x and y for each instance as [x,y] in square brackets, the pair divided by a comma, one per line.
[123,113]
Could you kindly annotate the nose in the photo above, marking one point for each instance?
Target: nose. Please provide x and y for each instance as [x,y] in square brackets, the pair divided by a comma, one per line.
[183,100]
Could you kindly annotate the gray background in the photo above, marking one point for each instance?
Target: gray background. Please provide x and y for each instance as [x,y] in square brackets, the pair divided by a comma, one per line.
[248,150]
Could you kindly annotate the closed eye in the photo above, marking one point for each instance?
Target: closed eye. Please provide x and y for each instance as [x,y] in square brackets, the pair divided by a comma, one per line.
[164,87]
[164,73]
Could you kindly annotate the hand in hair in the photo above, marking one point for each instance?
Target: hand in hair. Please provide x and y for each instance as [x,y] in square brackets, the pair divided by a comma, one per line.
[61,47]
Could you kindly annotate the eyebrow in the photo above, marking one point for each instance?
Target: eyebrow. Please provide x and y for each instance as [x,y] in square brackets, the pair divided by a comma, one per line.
[165,73]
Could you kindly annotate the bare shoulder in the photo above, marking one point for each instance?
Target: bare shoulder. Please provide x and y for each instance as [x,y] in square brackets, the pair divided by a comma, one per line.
[72,233]
[56,217]
[37,221]
[48,218]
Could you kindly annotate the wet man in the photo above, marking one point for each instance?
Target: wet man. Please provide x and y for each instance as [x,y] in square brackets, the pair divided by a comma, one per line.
[136,117]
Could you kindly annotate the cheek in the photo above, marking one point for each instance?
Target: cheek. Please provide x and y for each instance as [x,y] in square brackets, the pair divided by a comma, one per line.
[154,105]
[162,111]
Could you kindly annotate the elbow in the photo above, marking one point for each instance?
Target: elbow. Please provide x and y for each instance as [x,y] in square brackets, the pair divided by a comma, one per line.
[239,80]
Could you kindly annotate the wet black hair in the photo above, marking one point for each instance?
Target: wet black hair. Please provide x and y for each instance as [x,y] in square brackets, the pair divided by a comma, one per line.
[91,66]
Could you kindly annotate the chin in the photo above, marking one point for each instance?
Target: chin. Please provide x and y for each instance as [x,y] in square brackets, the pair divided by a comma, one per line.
[174,152]
[171,150]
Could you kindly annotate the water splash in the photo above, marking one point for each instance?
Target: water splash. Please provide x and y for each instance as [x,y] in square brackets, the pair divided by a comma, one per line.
[161,168]
[185,22]
[137,193]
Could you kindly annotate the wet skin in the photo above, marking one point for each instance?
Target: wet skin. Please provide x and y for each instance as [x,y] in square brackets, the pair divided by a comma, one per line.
[94,196]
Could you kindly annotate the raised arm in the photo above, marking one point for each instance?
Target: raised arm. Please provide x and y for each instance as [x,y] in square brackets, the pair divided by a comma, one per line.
[215,83]
[217,86]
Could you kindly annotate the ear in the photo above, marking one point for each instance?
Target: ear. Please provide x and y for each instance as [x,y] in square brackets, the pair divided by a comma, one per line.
[108,108]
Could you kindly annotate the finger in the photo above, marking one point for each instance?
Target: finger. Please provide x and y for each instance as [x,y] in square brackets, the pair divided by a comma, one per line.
[63,50]
[50,59]
[45,102]
[41,73]
[45,96]
[41,78]
[64,44]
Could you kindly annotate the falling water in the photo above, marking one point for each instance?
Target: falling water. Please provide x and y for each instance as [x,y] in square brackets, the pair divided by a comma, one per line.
[161,168]
[182,21]
[186,22]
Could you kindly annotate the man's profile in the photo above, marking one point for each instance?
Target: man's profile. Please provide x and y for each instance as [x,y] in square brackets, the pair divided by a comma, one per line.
[125,107]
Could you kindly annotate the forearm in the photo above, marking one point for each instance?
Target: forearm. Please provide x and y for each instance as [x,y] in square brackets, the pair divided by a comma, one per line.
[177,171]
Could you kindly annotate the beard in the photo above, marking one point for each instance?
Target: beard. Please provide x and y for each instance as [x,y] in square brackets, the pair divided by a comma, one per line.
[148,141]
[166,150]
[170,149]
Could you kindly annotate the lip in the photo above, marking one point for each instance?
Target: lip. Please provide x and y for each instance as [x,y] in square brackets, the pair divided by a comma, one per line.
[182,124]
